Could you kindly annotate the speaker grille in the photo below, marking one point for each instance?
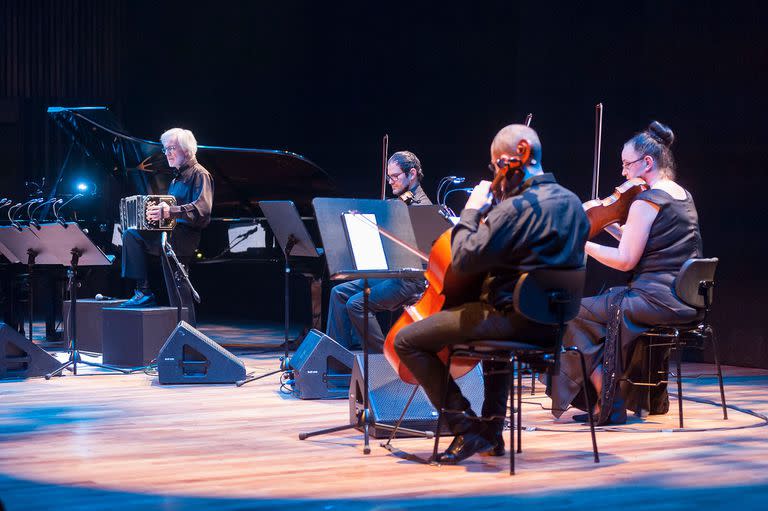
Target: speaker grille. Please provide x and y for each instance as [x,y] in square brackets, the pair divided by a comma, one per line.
[388,396]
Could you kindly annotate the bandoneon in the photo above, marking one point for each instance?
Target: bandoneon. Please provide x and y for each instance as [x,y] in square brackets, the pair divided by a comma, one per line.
[133,213]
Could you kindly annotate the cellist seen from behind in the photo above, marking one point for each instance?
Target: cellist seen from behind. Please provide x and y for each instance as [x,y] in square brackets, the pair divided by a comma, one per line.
[536,224]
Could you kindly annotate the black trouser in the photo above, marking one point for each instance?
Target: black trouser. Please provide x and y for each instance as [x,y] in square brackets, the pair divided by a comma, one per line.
[419,343]
[137,245]
[346,320]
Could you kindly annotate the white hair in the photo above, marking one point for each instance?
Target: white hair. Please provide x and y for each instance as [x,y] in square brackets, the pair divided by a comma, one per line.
[184,138]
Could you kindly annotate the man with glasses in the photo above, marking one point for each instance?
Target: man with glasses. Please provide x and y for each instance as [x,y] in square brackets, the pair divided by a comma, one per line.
[345,310]
[192,186]
[536,223]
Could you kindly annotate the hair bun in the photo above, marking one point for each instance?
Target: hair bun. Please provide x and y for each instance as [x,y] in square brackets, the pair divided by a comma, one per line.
[661,133]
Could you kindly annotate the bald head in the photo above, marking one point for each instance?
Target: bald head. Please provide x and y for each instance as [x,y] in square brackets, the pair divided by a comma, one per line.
[506,141]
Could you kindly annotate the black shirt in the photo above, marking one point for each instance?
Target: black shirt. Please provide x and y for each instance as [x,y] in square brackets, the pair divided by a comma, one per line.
[419,197]
[674,237]
[415,197]
[192,186]
[544,225]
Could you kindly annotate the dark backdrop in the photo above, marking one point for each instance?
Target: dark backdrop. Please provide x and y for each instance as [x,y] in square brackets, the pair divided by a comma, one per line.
[327,81]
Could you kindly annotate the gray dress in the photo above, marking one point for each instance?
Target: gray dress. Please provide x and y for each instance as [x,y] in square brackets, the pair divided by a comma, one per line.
[609,324]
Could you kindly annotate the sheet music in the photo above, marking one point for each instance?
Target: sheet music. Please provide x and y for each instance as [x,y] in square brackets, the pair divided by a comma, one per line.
[365,241]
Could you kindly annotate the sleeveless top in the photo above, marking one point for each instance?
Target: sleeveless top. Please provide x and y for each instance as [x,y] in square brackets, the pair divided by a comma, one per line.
[674,237]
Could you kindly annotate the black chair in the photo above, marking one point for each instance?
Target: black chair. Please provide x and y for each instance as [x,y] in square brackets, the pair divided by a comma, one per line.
[545,296]
[694,286]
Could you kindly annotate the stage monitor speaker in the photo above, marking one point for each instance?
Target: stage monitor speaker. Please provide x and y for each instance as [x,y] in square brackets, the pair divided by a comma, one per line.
[322,368]
[19,358]
[189,356]
[388,395]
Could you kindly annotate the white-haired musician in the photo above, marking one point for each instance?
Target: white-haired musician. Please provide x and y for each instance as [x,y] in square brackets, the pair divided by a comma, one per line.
[192,186]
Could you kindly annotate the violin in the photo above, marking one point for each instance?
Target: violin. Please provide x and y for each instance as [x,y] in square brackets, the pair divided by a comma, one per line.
[613,209]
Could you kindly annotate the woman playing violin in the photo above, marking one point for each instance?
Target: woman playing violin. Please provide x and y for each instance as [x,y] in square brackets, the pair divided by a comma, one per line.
[660,233]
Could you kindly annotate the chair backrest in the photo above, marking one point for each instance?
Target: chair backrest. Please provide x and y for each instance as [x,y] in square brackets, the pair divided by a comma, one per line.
[688,282]
[539,293]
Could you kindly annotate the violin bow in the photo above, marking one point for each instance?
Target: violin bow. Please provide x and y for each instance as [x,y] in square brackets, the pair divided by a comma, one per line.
[613,229]
[528,119]
[598,146]
[415,251]
[384,151]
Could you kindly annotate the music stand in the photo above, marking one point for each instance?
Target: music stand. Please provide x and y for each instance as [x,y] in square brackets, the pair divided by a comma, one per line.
[393,216]
[22,244]
[72,248]
[428,225]
[294,240]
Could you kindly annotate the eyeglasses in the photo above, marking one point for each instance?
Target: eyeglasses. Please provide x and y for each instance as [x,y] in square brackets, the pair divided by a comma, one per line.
[170,149]
[391,178]
[626,165]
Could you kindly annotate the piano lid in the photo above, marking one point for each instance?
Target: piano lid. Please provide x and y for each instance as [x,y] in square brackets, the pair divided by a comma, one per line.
[242,176]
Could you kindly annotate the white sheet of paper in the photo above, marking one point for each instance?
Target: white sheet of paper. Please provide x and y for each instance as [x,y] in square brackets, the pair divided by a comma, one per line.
[365,240]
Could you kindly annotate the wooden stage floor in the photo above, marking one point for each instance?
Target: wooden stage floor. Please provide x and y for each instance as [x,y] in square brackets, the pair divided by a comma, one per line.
[103,441]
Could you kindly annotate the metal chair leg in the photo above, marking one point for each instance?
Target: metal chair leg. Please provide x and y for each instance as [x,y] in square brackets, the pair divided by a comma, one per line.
[585,377]
[679,359]
[441,411]
[647,390]
[519,403]
[512,423]
[712,336]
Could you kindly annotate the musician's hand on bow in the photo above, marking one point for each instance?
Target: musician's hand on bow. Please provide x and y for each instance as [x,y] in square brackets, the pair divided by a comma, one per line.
[158,212]
[481,197]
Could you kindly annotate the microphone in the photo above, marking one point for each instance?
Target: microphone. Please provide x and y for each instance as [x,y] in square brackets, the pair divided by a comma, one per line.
[457,179]
[100,297]
[468,191]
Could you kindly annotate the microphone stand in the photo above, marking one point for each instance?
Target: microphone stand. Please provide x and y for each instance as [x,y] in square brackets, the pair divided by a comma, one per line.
[284,366]
[180,275]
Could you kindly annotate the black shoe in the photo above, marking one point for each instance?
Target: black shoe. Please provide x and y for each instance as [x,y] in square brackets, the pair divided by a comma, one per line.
[612,420]
[498,450]
[464,446]
[581,417]
[140,299]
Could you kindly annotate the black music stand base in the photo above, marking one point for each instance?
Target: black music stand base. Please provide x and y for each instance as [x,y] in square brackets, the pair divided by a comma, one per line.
[363,416]
[284,366]
[75,359]
[74,353]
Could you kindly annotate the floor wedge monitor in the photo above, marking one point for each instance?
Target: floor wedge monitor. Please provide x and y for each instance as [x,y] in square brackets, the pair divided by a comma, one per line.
[20,358]
[189,356]
[321,368]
